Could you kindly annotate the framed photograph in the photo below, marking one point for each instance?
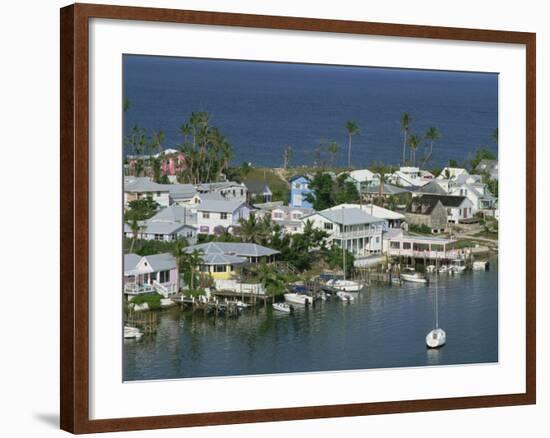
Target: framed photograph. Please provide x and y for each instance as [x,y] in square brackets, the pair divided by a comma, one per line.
[277,218]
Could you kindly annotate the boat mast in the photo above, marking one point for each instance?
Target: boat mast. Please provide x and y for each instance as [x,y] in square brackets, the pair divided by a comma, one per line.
[436,294]
[343,242]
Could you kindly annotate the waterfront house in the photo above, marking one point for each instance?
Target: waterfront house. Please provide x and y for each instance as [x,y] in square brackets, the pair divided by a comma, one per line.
[172,162]
[137,188]
[208,196]
[258,192]
[363,178]
[353,227]
[153,273]
[459,208]
[410,177]
[488,167]
[422,247]
[213,216]
[287,217]
[230,190]
[222,259]
[429,212]
[385,191]
[299,189]
[434,187]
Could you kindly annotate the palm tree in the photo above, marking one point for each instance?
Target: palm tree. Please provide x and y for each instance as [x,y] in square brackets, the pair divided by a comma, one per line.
[135,227]
[352,129]
[179,255]
[250,230]
[414,142]
[333,149]
[191,261]
[382,171]
[406,121]
[494,136]
[432,134]
[287,156]
[269,278]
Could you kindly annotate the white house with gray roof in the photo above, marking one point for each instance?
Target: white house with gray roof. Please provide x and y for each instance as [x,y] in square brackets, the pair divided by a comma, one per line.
[230,190]
[213,216]
[163,231]
[136,188]
[352,227]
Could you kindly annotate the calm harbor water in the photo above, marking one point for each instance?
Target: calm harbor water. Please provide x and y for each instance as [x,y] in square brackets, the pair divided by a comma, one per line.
[384,327]
[263,107]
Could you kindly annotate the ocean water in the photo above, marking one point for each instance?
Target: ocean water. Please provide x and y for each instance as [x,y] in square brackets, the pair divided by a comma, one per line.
[384,327]
[263,107]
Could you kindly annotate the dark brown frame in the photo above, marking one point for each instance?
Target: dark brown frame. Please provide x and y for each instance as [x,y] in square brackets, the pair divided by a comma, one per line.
[74,217]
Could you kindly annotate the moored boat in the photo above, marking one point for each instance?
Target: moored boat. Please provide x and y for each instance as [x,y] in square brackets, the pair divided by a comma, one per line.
[436,338]
[295,298]
[345,296]
[413,276]
[458,266]
[282,307]
[132,333]
[345,285]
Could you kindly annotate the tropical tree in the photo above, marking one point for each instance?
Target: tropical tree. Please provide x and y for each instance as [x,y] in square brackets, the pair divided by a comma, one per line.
[272,281]
[432,135]
[406,121]
[135,227]
[190,263]
[179,255]
[333,149]
[138,140]
[287,156]
[382,171]
[414,142]
[352,129]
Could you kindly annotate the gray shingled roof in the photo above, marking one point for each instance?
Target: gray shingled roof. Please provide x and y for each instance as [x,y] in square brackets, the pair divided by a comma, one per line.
[161,262]
[223,259]
[143,184]
[181,191]
[173,213]
[432,187]
[225,206]
[232,248]
[130,262]
[447,201]
[349,216]
[389,189]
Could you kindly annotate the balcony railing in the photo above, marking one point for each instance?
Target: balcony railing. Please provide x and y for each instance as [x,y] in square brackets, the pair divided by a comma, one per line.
[137,289]
[449,254]
[355,234]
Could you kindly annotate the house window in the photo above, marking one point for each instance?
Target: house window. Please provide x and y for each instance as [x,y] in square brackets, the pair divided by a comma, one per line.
[158,237]
[219,268]
[406,245]
[205,215]
[328,226]
[242,192]
[296,215]
[394,245]
[277,215]
[164,277]
[203,268]
[223,216]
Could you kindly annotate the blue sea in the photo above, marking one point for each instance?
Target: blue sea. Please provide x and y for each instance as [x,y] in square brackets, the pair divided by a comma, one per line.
[263,107]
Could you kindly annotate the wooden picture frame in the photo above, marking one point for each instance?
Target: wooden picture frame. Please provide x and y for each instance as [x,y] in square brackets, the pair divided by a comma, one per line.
[75,242]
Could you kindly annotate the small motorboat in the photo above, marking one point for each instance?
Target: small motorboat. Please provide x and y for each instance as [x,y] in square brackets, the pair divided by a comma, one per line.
[430,269]
[132,333]
[241,305]
[458,266]
[345,285]
[443,269]
[436,338]
[480,265]
[294,298]
[411,275]
[345,296]
[282,307]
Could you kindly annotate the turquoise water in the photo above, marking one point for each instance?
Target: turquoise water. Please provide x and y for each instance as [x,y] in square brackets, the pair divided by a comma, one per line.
[384,327]
[263,107]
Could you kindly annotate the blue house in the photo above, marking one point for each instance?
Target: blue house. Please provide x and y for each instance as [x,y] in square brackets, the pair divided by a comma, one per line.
[299,188]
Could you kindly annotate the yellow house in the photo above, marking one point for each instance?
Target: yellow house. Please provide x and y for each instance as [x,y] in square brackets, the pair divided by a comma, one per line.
[221,259]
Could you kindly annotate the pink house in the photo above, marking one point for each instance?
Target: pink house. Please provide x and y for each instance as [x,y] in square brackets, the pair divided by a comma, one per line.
[153,273]
[173,162]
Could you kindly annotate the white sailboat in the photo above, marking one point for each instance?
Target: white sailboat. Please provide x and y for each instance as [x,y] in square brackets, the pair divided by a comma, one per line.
[437,337]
